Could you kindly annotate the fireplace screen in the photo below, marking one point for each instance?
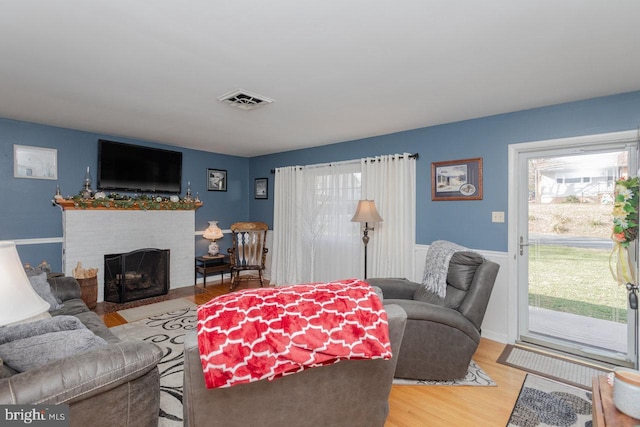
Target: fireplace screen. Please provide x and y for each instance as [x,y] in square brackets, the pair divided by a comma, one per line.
[136,275]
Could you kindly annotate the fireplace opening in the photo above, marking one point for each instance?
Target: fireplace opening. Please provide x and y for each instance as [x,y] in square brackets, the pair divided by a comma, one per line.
[136,275]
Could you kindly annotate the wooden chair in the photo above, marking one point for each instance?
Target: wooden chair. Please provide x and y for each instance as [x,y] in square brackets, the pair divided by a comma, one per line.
[248,251]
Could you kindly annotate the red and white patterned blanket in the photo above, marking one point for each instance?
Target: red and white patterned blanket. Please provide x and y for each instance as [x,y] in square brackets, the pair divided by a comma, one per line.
[263,333]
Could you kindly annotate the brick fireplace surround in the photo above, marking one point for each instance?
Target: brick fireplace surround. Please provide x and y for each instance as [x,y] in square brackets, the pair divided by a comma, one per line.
[91,234]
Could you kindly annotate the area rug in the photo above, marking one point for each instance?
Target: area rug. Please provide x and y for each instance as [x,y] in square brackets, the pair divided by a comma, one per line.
[544,402]
[138,313]
[475,377]
[571,372]
[166,331]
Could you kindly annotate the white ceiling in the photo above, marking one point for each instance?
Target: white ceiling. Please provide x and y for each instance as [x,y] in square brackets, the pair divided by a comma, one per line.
[337,69]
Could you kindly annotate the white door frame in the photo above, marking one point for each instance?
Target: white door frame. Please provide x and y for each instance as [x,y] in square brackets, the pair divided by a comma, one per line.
[578,143]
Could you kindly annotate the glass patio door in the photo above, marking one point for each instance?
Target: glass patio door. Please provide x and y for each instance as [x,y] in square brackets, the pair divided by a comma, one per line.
[568,298]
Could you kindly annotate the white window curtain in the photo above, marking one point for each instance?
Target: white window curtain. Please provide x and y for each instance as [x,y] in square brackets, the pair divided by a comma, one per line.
[390,181]
[286,265]
[314,238]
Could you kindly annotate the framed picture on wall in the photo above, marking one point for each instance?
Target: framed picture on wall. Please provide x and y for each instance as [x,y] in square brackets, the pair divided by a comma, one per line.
[216,180]
[261,188]
[35,162]
[456,180]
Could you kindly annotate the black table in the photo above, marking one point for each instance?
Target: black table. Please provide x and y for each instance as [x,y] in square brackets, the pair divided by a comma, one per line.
[210,264]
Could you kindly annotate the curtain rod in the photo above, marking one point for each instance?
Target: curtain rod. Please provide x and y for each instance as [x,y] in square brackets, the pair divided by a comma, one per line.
[411,156]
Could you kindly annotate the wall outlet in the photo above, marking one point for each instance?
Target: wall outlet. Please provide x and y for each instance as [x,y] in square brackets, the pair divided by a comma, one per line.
[497,216]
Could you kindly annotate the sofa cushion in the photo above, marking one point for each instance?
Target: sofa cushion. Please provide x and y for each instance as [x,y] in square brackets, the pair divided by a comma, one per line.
[39,327]
[394,288]
[65,287]
[422,294]
[5,371]
[93,322]
[71,307]
[38,271]
[77,308]
[42,288]
[462,268]
[38,350]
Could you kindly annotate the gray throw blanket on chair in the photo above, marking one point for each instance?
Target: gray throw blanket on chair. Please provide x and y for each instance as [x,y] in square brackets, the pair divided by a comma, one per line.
[437,266]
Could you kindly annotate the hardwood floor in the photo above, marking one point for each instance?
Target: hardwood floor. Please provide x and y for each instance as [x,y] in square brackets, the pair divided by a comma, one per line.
[416,406]
[440,406]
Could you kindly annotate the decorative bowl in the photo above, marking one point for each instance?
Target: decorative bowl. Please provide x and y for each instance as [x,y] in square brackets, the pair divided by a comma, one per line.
[626,391]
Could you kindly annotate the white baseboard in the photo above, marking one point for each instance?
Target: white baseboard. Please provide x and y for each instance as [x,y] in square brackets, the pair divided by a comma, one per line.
[491,335]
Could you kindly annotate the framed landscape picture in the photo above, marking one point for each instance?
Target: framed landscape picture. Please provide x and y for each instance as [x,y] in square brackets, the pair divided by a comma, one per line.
[456,180]
[35,162]
[216,180]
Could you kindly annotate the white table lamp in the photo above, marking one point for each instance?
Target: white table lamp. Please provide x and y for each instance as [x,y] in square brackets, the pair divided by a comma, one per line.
[18,301]
[213,233]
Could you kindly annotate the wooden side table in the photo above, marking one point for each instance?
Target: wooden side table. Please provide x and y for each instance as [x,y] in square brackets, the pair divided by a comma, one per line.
[605,413]
[209,264]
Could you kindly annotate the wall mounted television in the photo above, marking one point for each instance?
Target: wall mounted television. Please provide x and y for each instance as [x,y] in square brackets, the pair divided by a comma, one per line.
[134,168]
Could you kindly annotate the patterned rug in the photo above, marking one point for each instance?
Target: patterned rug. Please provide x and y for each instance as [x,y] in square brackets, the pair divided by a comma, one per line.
[544,402]
[139,313]
[475,376]
[166,331]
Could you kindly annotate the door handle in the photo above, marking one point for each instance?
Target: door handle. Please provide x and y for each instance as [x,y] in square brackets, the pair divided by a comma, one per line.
[522,245]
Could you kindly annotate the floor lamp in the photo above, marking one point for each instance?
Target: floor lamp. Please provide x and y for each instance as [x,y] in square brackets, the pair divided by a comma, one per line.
[366,213]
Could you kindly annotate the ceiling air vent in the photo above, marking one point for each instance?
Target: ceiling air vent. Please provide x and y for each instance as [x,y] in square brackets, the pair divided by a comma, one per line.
[244,100]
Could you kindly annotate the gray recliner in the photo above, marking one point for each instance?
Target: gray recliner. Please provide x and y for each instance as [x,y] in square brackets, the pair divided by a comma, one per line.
[350,393]
[442,335]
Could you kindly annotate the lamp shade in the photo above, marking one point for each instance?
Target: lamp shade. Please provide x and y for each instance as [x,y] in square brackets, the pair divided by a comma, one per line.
[212,232]
[18,300]
[366,212]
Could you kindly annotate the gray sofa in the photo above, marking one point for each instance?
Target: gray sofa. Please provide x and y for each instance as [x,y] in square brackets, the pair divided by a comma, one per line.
[116,384]
[442,334]
[350,393]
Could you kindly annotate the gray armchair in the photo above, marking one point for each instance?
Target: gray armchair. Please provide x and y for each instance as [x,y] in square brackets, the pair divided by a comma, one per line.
[350,393]
[442,335]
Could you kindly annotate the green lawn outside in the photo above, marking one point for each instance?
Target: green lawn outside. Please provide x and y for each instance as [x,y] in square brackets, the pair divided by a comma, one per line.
[575,280]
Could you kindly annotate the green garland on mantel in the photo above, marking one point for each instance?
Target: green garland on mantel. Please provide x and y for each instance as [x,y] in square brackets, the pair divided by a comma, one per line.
[117,201]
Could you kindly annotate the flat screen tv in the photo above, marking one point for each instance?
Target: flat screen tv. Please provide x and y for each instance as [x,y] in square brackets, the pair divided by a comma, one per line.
[134,168]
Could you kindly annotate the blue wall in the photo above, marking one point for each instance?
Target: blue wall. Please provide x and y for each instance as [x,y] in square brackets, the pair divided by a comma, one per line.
[26,210]
[465,222]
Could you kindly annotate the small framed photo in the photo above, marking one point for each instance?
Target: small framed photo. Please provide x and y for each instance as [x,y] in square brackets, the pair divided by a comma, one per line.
[456,180]
[216,180]
[35,162]
[261,188]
